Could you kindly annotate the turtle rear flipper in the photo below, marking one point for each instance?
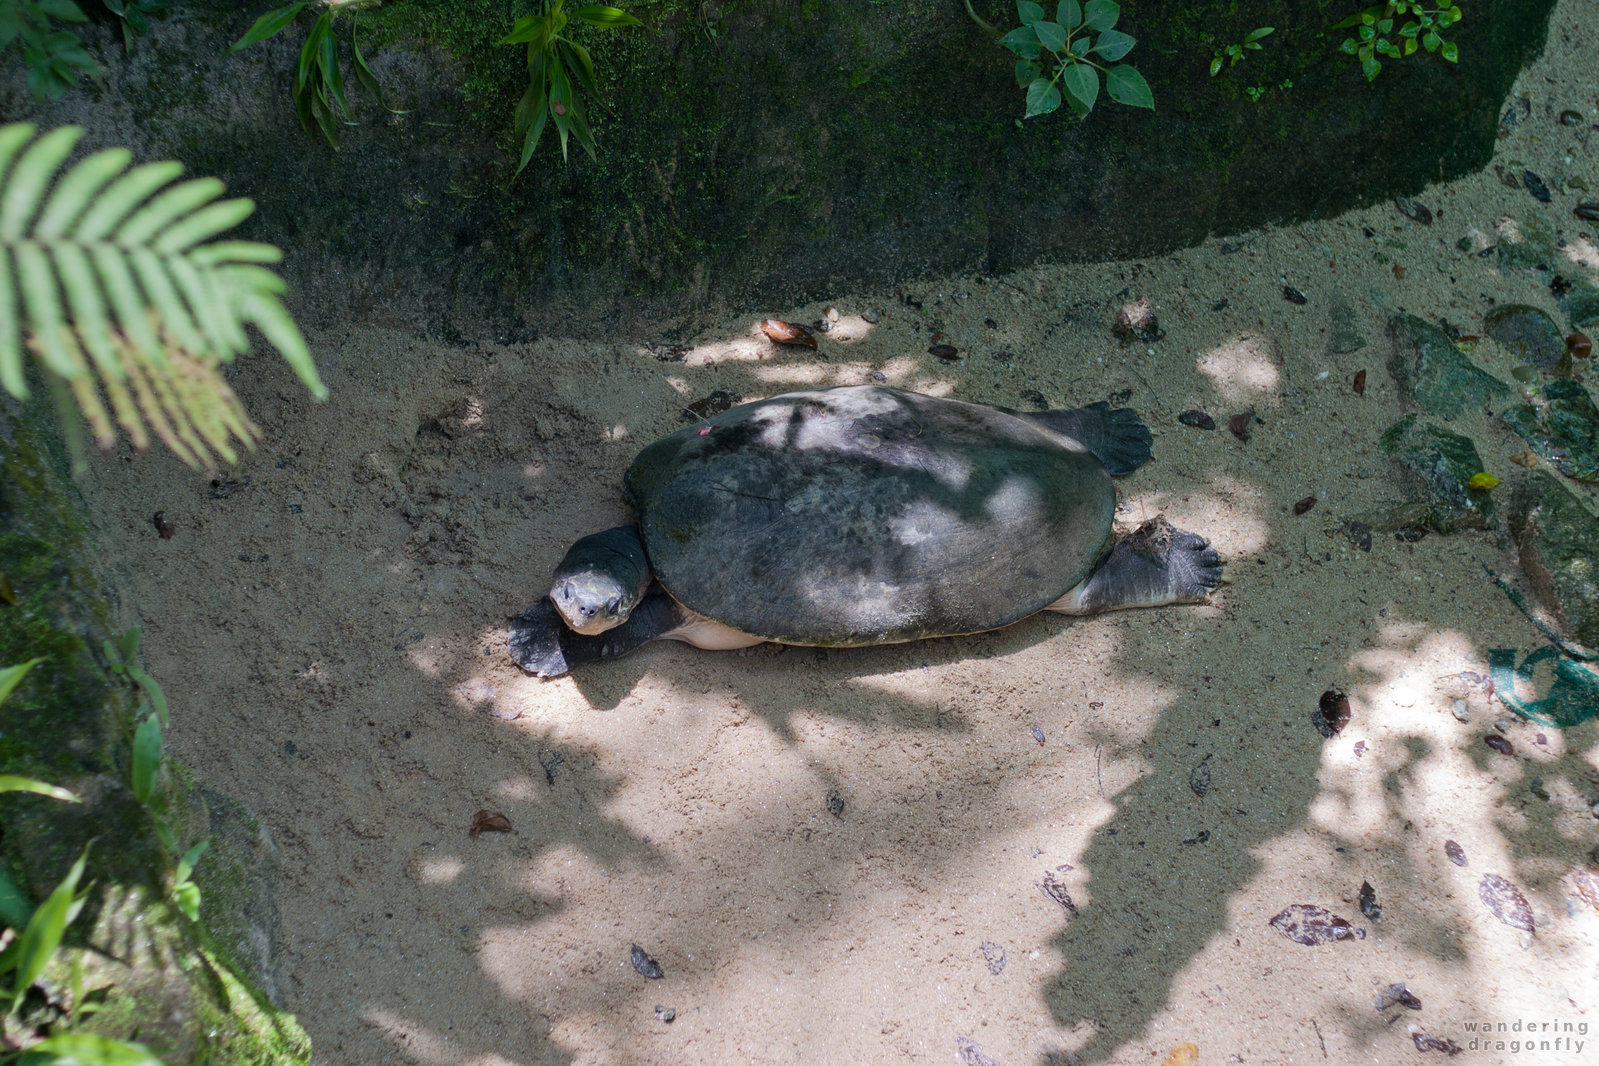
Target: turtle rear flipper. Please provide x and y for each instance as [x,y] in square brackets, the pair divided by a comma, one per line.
[1155,566]
[541,643]
[1117,438]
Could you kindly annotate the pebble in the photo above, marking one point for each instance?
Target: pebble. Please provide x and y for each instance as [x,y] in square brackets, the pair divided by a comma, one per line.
[1461,711]
[870,316]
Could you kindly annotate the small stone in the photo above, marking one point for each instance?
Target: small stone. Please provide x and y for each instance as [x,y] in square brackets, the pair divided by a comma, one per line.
[1527,333]
[870,316]
[1435,374]
[665,1014]
[1461,711]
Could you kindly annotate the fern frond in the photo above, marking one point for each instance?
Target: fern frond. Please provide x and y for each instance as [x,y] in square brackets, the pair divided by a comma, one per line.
[110,278]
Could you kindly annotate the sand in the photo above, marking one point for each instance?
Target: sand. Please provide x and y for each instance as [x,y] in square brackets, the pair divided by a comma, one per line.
[836,856]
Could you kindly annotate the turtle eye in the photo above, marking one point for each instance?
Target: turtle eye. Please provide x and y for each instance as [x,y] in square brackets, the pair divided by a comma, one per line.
[614,606]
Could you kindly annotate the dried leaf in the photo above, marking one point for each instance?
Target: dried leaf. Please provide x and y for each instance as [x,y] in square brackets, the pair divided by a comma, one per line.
[1301,506]
[970,1053]
[1424,1042]
[645,965]
[1305,923]
[1505,901]
[1182,1055]
[1413,211]
[1586,880]
[1196,418]
[993,957]
[486,821]
[1397,994]
[1332,713]
[1456,853]
[947,352]
[781,332]
[163,525]
[1360,383]
[1199,777]
[1055,889]
[1238,425]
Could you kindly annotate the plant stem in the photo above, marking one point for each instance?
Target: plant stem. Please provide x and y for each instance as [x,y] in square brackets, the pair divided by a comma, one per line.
[979,21]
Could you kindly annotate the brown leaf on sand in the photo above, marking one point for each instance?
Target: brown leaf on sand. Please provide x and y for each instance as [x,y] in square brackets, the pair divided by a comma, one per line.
[487,821]
[1182,1055]
[1307,924]
[1505,902]
[780,332]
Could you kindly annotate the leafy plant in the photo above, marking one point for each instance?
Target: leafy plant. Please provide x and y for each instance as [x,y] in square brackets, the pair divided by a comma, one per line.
[133,16]
[1231,54]
[1077,34]
[318,84]
[151,313]
[559,72]
[55,58]
[1375,33]
[39,932]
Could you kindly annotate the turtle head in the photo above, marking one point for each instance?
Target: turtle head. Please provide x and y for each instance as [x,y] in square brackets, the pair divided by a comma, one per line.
[600,580]
[592,602]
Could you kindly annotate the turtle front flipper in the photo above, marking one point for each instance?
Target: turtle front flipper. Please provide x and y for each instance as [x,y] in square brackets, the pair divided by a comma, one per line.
[541,643]
[1155,566]
[1117,437]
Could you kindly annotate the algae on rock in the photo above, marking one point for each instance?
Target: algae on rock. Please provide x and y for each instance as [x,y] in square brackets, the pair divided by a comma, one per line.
[1432,373]
[156,977]
[1557,539]
[1435,467]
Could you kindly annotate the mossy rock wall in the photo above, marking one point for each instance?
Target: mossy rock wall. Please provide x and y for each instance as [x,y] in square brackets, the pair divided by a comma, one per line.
[192,992]
[757,152]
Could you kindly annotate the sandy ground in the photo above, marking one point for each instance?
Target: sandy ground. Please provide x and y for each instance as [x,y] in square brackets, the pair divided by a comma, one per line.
[836,856]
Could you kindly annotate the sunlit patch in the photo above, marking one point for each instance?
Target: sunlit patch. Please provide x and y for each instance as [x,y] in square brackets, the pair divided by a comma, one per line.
[616,433]
[680,384]
[473,692]
[471,413]
[520,789]
[439,871]
[1243,369]
[419,1044]
[819,374]
[1582,253]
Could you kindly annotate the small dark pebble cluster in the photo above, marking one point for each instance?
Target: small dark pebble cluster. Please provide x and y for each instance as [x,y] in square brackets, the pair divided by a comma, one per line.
[1368,901]
[1197,418]
[646,966]
[1499,744]
[835,803]
[1359,535]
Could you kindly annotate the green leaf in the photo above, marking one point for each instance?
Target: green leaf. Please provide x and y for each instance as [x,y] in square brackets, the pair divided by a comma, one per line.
[1042,98]
[1449,51]
[77,190]
[1126,86]
[1349,46]
[1385,25]
[368,80]
[577,58]
[1431,42]
[1081,46]
[1069,13]
[526,30]
[65,10]
[1026,72]
[1050,35]
[1113,44]
[187,896]
[1082,83]
[44,930]
[25,185]
[1028,12]
[607,17]
[164,832]
[1264,31]
[13,783]
[1023,41]
[1101,15]
[15,907]
[266,26]
[190,858]
[1370,67]
[11,676]
[1366,33]
[126,193]
[1215,65]
[88,1049]
[1410,45]
[146,759]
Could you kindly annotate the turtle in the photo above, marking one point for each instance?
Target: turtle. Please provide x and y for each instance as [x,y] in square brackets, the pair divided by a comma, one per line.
[862,515]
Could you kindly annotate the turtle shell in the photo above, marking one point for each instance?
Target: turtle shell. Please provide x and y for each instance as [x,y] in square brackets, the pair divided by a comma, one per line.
[867,515]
